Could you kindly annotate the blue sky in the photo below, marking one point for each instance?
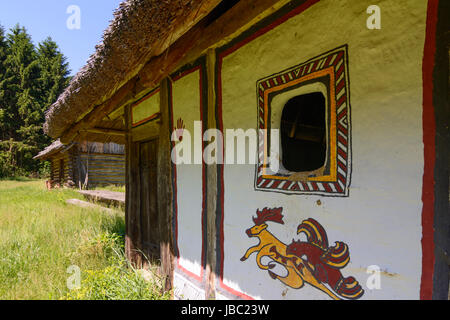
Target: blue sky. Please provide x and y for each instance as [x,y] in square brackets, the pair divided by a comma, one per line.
[43,18]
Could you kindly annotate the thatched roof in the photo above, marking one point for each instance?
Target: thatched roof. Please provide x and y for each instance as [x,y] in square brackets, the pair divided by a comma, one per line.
[52,149]
[140,30]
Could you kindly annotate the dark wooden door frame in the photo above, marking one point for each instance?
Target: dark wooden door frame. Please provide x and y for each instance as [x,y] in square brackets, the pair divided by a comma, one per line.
[133,232]
[133,241]
[441,157]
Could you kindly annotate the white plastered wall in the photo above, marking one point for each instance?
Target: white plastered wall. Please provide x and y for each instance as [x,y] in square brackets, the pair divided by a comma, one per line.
[381,219]
[189,197]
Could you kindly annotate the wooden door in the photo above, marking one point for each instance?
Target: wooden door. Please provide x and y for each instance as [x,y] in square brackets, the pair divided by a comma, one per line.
[150,236]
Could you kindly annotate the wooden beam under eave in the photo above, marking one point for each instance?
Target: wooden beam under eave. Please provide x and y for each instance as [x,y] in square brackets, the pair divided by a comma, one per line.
[107,132]
[121,97]
[115,114]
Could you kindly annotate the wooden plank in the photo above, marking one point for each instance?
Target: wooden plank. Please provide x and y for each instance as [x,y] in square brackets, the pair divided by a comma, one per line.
[108,132]
[85,204]
[211,187]
[112,174]
[153,195]
[97,195]
[149,200]
[113,162]
[107,181]
[147,131]
[165,192]
[100,159]
[101,156]
[116,114]
[128,187]
[116,199]
[136,223]
[107,175]
[144,169]
[102,148]
[109,162]
[132,199]
[105,167]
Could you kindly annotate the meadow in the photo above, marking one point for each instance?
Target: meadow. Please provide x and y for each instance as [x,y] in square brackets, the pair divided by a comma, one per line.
[41,237]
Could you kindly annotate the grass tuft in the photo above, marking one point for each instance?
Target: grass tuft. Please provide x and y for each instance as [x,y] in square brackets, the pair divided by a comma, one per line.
[42,236]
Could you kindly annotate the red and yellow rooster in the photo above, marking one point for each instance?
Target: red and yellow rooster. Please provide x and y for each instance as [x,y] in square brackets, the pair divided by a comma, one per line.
[324,261]
[311,261]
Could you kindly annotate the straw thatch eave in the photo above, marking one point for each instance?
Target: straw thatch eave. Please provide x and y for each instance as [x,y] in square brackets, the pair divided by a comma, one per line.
[56,147]
[141,29]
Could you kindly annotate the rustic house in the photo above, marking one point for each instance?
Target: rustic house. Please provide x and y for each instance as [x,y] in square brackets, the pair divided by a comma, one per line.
[344,190]
[85,164]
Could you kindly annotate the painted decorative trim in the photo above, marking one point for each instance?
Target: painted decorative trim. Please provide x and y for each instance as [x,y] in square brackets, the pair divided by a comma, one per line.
[335,180]
[151,117]
[266,25]
[429,142]
[178,125]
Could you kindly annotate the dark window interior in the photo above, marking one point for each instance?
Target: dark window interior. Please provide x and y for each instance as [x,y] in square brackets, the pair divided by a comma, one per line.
[303,133]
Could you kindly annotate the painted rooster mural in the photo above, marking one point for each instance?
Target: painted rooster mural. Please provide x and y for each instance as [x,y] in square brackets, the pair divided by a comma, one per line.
[312,261]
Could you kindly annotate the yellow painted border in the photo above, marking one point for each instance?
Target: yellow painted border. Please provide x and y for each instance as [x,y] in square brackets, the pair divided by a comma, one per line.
[138,103]
[332,177]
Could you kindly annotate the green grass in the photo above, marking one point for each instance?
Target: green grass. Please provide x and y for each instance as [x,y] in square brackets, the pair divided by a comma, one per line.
[41,236]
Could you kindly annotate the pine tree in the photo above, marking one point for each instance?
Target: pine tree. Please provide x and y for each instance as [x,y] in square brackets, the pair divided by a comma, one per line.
[22,104]
[20,83]
[54,72]
[3,48]
[30,81]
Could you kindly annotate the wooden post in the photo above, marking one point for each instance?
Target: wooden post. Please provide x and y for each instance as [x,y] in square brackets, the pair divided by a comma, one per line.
[165,191]
[127,183]
[77,166]
[52,170]
[132,198]
[211,181]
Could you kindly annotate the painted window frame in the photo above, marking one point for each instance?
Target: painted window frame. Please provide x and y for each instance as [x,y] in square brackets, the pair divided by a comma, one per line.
[336,181]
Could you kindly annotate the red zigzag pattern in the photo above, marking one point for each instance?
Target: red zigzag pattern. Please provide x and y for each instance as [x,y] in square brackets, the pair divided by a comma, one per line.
[337,59]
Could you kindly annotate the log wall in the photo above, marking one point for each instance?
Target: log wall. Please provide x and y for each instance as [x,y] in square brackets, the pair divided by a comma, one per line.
[67,168]
[104,168]
[105,164]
